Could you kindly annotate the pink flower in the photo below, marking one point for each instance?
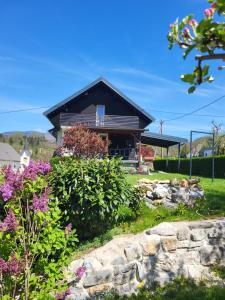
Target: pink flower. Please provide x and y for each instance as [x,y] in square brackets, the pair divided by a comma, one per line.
[9,224]
[41,204]
[3,266]
[186,33]
[193,22]
[209,12]
[62,295]
[80,272]
[6,191]
[213,5]
[14,265]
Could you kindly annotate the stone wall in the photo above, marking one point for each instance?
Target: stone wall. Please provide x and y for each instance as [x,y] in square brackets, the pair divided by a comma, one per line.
[156,255]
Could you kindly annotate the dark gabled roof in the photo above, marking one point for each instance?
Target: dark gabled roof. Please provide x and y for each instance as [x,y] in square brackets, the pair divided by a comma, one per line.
[101,79]
[161,140]
[8,153]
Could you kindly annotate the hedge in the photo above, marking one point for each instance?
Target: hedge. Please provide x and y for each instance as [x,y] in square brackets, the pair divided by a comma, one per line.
[201,166]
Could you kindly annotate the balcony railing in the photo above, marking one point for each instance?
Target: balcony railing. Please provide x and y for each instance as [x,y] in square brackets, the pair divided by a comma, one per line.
[92,121]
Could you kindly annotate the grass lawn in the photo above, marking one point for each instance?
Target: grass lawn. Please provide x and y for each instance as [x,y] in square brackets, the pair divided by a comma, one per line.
[215,207]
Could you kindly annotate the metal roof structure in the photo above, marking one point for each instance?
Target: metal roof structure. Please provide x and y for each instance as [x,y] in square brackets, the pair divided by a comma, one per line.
[8,153]
[161,140]
[86,88]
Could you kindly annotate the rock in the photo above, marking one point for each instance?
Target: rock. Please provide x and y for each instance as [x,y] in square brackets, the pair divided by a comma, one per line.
[210,255]
[124,268]
[199,224]
[146,181]
[169,243]
[133,252]
[181,196]
[174,182]
[120,260]
[100,288]
[78,294]
[170,205]
[91,263]
[98,277]
[140,271]
[163,277]
[149,194]
[196,271]
[150,244]
[167,181]
[193,181]
[183,233]
[196,195]
[158,202]
[184,183]
[197,234]
[160,192]
[164,229]
[124,275]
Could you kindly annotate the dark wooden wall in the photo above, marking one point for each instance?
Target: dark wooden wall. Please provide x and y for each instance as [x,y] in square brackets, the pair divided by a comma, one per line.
[100,94]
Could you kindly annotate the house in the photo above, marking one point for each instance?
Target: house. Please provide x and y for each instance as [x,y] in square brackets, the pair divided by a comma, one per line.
[106,110]
[9,156]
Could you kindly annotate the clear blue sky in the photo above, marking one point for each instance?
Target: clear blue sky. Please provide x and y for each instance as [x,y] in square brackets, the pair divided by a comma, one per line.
[50,49]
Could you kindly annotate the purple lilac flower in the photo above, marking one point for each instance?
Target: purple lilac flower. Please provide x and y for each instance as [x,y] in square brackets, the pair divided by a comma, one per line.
[14,266]
[80,272]
[41,204]
[10,221]
[6,191]
[3,266]
[44,167]
[9,224]
[62,295]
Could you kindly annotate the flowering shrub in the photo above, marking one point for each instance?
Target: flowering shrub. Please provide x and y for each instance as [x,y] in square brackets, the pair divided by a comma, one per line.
[33,246]
[91,192]
[79,141]
[206,36]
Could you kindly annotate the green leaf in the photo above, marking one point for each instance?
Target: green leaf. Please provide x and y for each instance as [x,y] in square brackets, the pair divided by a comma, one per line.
[188,78]
[191,89]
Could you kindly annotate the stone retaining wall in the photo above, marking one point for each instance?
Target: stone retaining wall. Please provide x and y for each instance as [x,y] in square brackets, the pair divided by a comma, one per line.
[156,255]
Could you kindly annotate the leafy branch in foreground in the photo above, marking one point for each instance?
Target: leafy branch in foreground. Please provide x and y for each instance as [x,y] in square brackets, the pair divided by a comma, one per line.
[206,36]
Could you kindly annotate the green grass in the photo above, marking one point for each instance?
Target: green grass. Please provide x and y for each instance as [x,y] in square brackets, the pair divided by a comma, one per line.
[215,207]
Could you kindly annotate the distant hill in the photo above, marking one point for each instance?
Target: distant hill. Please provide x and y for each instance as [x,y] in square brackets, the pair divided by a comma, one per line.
[41,145]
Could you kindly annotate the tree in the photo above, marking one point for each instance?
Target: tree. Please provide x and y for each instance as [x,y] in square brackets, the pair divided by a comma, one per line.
[79,141]
[206,36]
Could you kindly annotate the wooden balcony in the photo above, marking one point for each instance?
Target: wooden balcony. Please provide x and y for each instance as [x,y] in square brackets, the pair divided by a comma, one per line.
[108,121]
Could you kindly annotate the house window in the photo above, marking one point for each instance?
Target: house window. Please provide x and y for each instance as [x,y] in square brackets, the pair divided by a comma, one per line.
[100,114]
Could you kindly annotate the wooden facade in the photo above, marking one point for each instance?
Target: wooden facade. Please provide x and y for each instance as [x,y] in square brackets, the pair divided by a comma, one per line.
[119,119]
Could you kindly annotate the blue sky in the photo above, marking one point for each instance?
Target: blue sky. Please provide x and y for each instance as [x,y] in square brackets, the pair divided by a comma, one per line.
[50,49]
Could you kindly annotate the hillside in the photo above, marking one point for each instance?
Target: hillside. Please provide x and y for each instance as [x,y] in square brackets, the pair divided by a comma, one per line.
[41,145]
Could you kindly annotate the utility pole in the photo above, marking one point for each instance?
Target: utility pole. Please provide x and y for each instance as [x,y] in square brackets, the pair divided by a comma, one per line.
[161,132]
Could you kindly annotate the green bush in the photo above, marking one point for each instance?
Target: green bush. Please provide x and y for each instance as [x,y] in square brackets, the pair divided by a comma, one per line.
[201,166]
[91,192]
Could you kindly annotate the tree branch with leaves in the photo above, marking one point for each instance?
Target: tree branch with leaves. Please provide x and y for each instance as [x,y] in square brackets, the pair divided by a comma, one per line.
[206,36]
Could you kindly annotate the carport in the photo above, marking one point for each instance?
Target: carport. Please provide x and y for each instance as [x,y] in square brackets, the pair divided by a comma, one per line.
[164,141]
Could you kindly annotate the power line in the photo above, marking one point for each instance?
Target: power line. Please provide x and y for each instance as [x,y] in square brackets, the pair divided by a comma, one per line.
[182,114]
[22,110]
[196,110]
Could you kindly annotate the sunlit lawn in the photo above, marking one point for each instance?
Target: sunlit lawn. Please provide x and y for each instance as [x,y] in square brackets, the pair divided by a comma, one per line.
[215,207]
